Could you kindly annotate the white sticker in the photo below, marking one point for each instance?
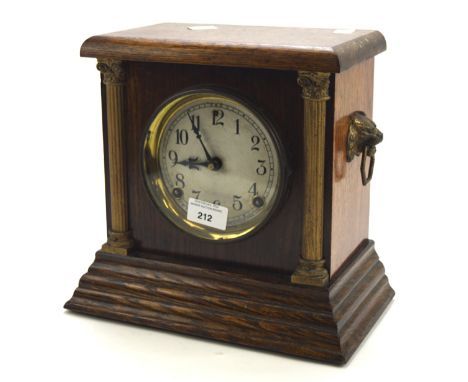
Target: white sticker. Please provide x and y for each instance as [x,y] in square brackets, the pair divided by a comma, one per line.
[208,214]
[201,27]
[344,31]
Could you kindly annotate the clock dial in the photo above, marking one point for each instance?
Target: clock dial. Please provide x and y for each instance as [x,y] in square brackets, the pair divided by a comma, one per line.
[212,147]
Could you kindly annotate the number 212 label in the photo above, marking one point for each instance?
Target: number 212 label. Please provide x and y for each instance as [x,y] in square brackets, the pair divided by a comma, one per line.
[205,213]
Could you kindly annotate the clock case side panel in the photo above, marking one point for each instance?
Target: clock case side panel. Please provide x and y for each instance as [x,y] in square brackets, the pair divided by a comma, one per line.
[276,245]
[347,199]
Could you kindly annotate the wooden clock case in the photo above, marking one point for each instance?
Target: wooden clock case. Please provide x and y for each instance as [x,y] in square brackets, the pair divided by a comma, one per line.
[309,283]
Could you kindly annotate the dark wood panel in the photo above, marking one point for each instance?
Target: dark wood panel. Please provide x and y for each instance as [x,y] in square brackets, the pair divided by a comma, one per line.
[261,311]
[353,90]
[277,245]
[324,50]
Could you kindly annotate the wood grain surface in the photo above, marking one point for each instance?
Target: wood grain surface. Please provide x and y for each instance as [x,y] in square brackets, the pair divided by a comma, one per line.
[278,244]
[261,310]
[325,50]
[353,91]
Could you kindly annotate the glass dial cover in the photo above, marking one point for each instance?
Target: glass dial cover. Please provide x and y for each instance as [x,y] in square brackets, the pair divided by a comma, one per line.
[214,147]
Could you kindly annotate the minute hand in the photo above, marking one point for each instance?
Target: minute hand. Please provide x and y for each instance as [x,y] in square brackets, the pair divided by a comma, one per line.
[196,130]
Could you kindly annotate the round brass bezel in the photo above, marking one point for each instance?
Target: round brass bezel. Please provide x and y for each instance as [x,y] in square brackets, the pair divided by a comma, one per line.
[161,196]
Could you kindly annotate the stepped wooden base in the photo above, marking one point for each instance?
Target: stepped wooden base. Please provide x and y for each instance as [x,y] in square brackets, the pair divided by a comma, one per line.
[252,309]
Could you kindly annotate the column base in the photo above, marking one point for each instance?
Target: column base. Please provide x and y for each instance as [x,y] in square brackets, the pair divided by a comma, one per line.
[310,272]
[118,243]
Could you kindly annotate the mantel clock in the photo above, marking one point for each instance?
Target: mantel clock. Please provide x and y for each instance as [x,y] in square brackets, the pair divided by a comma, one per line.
[237,167]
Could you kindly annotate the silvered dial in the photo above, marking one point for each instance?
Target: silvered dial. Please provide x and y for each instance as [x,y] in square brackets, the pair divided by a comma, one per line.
[214,148]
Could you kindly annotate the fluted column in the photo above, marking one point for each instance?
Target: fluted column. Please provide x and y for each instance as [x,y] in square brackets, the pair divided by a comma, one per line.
[119,239]
[311,269]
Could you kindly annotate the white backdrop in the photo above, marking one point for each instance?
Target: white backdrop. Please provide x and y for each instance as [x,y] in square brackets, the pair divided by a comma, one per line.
[52,194]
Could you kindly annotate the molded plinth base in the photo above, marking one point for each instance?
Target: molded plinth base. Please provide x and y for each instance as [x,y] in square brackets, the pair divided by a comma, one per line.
[253,309]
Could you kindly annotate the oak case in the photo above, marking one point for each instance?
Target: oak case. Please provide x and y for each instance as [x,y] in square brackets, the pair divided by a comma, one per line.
[263,290]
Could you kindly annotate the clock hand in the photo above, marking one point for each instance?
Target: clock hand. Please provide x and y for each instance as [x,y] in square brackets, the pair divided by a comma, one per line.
[192,163]
[214,163]
[196,130]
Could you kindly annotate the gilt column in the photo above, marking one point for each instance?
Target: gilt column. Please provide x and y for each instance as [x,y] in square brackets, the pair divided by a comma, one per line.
[311,269]
[119,239]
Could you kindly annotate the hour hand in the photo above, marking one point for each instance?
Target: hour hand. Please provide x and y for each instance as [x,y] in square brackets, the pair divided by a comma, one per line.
[192,163]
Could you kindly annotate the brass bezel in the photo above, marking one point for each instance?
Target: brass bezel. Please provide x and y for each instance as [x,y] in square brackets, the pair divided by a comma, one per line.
[152,172]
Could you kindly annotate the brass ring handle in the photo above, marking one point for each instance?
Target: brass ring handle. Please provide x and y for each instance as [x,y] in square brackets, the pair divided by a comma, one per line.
[363,136]
[367,178]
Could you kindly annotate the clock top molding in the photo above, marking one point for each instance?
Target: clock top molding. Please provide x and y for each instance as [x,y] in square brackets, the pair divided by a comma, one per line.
[324,50]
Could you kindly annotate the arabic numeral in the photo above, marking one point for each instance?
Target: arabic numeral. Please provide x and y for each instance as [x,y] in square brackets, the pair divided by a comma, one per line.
[173,157]
[217,117]
[255,140]
[180,180]
[261,170]
[236,203]
[253,189]
[181,137]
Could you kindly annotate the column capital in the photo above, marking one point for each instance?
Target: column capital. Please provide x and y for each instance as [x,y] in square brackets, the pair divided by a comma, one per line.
[314,85]
[112,70]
